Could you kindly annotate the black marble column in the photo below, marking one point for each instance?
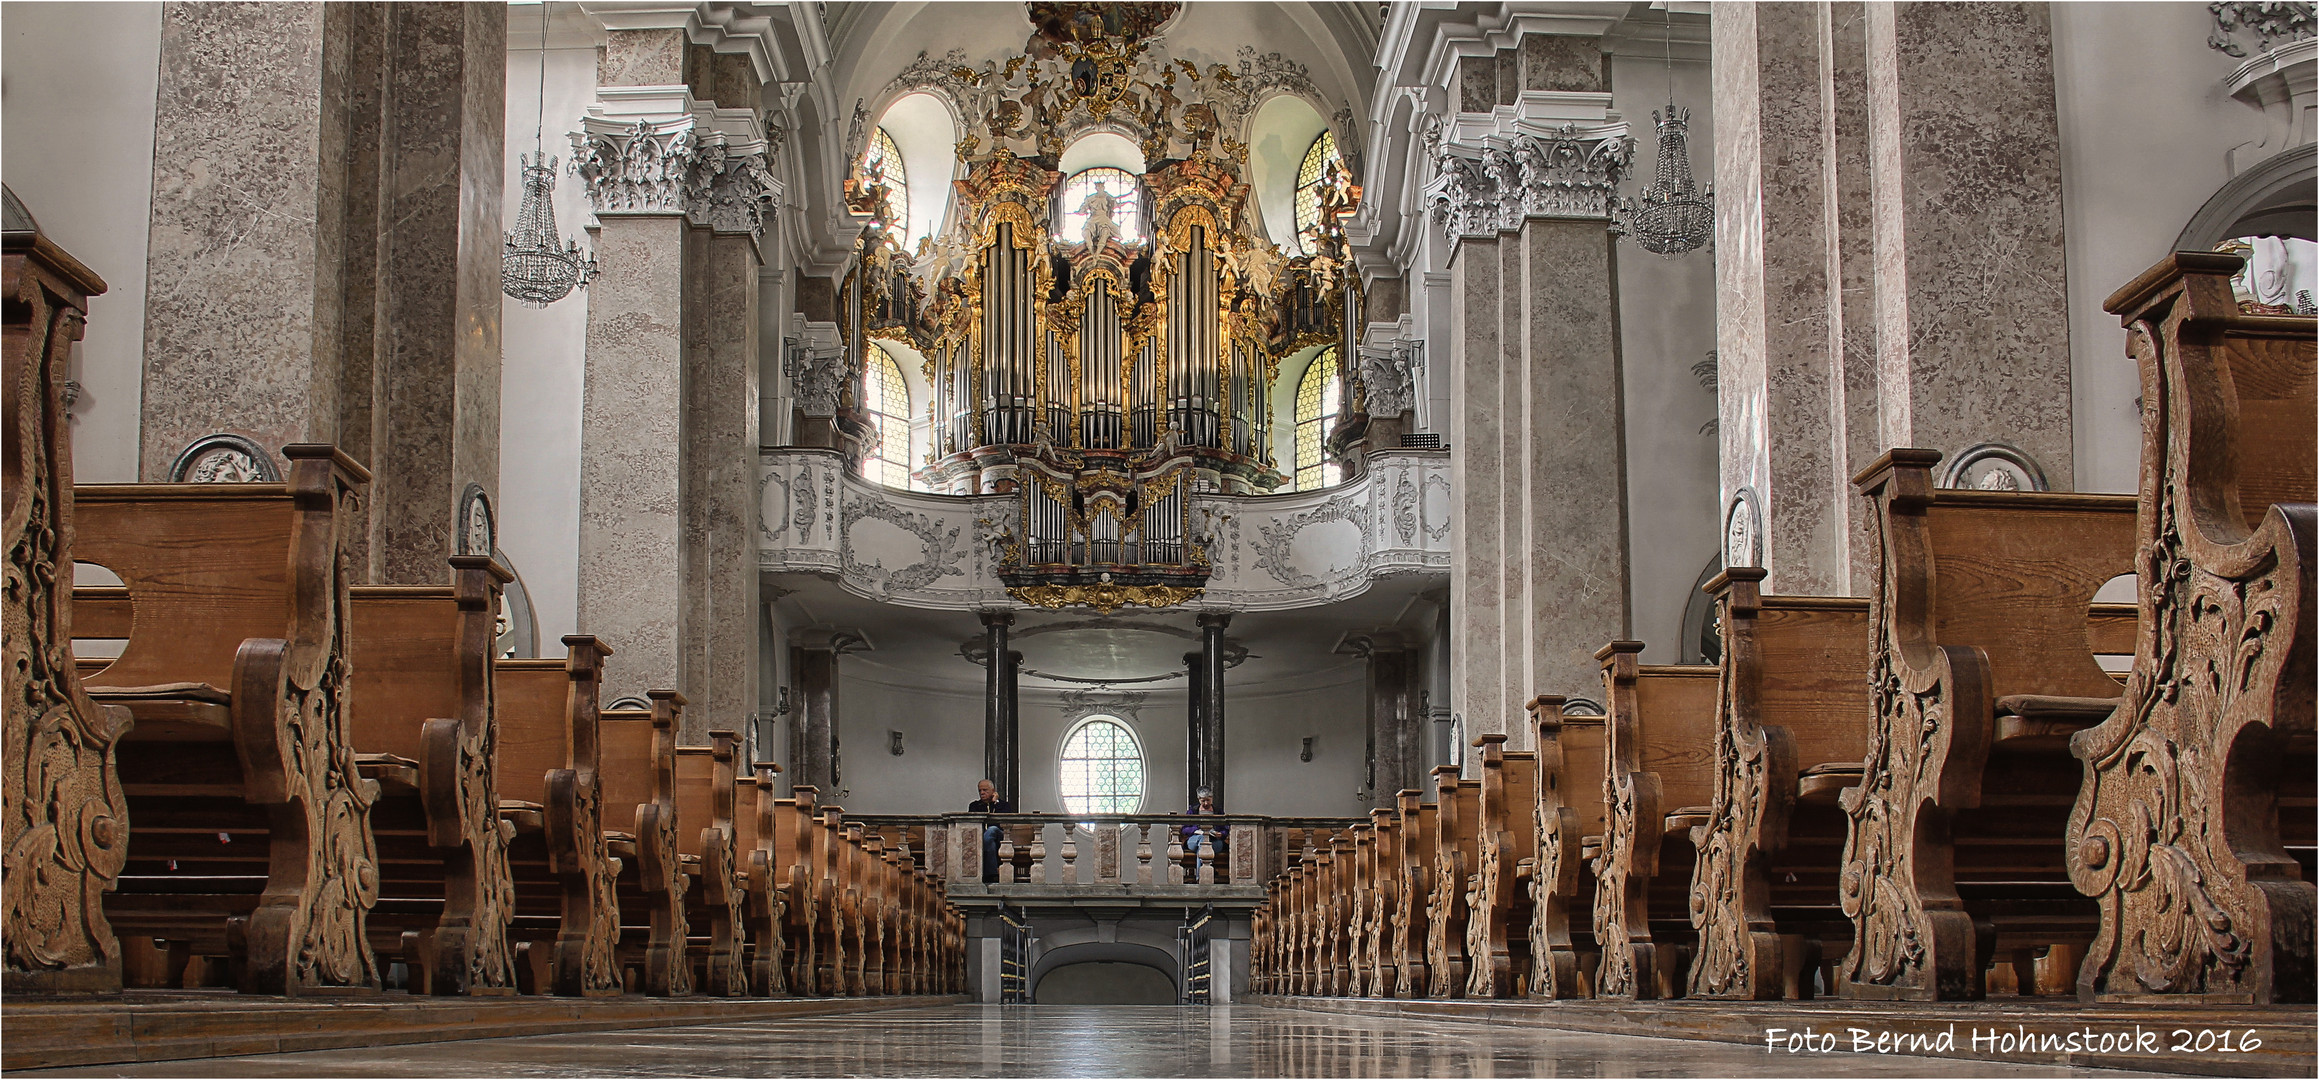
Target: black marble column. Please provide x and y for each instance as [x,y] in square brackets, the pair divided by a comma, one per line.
[1195,731]
[999,757]
[1210,692]
[813,731]
[1396,747]
[1010,711]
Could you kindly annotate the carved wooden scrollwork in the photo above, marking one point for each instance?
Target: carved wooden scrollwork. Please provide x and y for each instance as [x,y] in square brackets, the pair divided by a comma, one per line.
[1931,730]
[1739,948]
[723,887]
[1489,900]
[587,940]
[1554,870]
[67,818]
[2175,832]
[666,974]
[1445,921]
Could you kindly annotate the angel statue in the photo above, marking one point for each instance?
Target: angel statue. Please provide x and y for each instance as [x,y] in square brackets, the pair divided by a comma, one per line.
[1100,206]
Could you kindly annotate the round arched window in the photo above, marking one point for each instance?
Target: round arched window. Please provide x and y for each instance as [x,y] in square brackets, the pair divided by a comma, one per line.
[1102,768]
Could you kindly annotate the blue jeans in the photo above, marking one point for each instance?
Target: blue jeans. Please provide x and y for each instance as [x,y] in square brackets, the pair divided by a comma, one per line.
[990,835]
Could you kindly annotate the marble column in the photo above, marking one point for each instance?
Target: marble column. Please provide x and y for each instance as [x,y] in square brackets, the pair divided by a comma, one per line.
[813,727]
[1851,273]
[679,188]
[1011,708]
[1539,580]
[1195,730]
[1211,694]
[1396,742]
[999,763]
[245,295]
[1972,334]
[435,385]
[721,427]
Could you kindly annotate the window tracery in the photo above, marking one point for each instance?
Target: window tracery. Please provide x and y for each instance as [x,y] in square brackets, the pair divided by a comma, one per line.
[1319,398]
[887,399]
[1101,768]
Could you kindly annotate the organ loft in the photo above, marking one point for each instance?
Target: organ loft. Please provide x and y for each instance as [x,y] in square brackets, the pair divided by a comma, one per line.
[1232,538]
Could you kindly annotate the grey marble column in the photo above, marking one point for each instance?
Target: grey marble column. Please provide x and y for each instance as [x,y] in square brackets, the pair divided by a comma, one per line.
[1211,693]
[435,405]
[1477,470]
[1397,750]
[1972,336]
[1852,271]
[998,752]
[813,730]
[245,295]
[1780,402]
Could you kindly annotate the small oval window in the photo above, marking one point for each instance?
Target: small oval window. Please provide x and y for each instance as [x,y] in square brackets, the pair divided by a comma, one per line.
[1102,768]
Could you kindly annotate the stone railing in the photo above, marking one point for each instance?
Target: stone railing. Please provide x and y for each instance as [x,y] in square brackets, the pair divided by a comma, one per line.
[1107,853]
[1268,552]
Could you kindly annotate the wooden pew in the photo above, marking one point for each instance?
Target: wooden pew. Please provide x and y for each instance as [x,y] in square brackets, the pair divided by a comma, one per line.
[1497,906]
[638,749]
[797,864]
[1359,894]
[566,877]
[241,728]
[757,821]
[2198,791]
[1790,734]
[1981,668]
[1658,780]
[1455,856]
[1567,809]
[1412,854]
[67,818]
[422,720]
[839,906]
[716,910]
[1384,896]
[870,884]
[1335,909]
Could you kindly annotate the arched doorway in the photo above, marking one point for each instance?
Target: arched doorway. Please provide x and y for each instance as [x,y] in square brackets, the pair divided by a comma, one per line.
[1105,973]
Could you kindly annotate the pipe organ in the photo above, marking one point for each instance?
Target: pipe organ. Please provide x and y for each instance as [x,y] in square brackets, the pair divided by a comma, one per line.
[1102,382]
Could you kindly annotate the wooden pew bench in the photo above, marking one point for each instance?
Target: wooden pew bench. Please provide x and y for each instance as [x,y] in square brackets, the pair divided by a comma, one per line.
[251,821]
[1456,855]
[716,909]
[797,867]
[638,763]
[1567,809]
[1410,880]
[567,922]
[1497,904]
[1981,667]
[757,823]
[422,721]
[1658,781]
[2197,801]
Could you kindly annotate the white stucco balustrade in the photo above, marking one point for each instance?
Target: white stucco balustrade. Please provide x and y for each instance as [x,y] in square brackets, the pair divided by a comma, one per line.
[1269,552]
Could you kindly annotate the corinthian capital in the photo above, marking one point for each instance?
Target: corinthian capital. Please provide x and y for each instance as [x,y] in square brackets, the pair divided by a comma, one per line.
[1563,173]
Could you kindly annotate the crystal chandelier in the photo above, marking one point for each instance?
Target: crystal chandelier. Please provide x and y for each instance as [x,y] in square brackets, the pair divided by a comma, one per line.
[540,268]
[1673,217]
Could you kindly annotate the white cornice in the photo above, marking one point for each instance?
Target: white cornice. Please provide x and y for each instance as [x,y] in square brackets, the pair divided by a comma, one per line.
[744,29]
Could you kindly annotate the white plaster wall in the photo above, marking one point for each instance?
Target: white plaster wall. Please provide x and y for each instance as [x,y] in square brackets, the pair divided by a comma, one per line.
[942,746]
[542,351]
[1666,324]
[2145,129]
[77,83]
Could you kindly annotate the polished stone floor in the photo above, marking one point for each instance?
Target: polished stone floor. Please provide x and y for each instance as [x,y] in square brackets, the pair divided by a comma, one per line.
[1064,1040]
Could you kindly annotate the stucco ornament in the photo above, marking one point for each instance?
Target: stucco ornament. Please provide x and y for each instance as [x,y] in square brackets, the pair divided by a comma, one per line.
[1482,191]
[1388,382]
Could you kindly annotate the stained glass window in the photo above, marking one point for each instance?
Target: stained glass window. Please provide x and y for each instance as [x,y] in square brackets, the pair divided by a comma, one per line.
[1102,768]
[883,160]
[1319,158]
[1071,224]
[1317,405]
[887,398]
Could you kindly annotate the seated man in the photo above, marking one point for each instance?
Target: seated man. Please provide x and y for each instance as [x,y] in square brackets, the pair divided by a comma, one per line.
[988,802]
[1205,842]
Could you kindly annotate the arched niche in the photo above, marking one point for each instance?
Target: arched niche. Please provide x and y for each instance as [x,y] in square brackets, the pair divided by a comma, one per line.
[2275,198]
[1279,133]
[1157,960]
[925,130]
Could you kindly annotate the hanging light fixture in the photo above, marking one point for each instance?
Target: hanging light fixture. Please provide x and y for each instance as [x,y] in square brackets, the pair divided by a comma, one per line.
[1673,216]
[540,267]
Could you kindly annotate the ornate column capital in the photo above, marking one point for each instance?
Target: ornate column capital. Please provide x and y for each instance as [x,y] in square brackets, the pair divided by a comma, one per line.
[1565,172]
[1386,372]
[655,150]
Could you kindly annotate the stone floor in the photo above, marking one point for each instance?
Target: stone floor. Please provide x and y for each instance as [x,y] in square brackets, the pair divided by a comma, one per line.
[1094,1041]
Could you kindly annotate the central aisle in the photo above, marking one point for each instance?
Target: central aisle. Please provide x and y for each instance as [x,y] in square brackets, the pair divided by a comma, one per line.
[1068,1040]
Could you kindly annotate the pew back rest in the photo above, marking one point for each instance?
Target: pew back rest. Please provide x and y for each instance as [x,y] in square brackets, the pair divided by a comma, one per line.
[696,781]
[2272,376]
[403,660]
[534,730]
[625,741]
[1585,747]
[2016,576]
[1521,770]
[207,556]
[1677,710]
[1814,681]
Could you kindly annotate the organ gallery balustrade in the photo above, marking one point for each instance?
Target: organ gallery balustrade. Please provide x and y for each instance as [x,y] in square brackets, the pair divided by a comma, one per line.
[1122,853]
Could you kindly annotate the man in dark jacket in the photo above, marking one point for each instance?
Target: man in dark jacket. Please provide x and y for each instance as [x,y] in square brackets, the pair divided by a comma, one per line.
[988,802]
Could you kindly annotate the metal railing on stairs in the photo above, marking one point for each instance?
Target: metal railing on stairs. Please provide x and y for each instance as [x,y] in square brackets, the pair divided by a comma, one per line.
[1014,956]
[1192,943]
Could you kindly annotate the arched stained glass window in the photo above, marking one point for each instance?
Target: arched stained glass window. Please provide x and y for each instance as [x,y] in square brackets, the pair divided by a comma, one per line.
[1127,210]
[1319,159]
[887,398]
[883,162]
[1102,768]
[1317,405]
